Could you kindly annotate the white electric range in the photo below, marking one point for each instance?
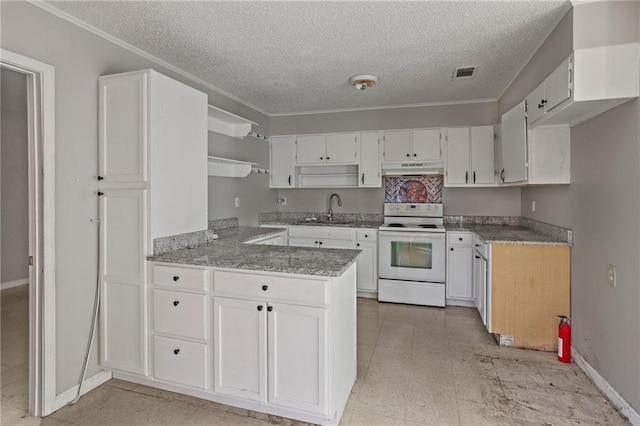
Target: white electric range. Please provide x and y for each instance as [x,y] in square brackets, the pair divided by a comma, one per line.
[411,255]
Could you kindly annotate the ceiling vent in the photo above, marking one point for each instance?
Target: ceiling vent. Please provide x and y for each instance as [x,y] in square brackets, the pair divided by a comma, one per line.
[463,73]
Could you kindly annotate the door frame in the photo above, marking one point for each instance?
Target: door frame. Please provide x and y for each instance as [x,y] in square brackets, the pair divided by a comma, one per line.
[41,176]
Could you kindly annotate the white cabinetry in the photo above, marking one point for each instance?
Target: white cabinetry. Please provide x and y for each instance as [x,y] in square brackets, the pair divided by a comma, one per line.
[586,84]
[533,157]
[322,237]
[338,148]
[367,242]
[459,269]
[412,145]
[470,156]
[180,325]
[281,151]
[370,160]
[152,169]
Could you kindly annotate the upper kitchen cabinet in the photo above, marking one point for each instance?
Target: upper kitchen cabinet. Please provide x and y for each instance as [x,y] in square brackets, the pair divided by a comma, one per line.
[153,129]
[412,145]
[281,151]
[370,160]
[587,83]
[535,157]
[470,156]
[338,148]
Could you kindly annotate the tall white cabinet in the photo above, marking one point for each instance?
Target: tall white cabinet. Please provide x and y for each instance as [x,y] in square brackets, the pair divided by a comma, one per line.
[152,171]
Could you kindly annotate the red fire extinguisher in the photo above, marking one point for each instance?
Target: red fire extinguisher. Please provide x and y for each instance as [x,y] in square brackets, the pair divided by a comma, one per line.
[564,340]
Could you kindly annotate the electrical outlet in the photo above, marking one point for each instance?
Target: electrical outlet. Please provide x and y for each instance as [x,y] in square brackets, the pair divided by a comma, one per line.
[237,201]
[284,201]
[533,206]
[611,275]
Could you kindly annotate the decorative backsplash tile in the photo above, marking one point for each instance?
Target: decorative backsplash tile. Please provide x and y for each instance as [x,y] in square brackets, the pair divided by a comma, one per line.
[413,189]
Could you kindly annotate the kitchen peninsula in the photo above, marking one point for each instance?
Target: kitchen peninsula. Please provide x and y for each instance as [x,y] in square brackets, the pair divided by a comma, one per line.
[270,329]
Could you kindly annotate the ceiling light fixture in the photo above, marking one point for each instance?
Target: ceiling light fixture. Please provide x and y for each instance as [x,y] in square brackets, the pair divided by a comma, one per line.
[363,81]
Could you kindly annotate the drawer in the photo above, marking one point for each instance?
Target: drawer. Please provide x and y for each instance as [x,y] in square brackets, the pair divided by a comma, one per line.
[460,238]
[321,232]
[268,287]
[179,313]
[175,276]
[181,362]
[366,235]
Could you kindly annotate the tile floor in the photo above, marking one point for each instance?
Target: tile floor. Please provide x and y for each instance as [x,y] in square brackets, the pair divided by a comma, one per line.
[416,366]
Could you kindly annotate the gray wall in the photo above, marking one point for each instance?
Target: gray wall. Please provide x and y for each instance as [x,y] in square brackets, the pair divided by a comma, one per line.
[458,201]
[602,206]
[15,186]
[79,58]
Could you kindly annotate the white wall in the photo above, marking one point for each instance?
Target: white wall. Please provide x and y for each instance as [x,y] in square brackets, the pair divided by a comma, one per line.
[14,180]
[602,206]
[79,58]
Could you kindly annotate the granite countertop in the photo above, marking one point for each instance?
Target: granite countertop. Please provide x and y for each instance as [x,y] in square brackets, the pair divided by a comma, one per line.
[337,223]
[230,251]
[505,234]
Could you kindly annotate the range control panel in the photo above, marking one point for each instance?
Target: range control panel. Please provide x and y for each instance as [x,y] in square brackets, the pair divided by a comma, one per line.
[409,209]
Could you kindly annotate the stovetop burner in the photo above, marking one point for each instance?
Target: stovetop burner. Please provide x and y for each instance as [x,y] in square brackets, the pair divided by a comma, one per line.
[428,226]
[396,225]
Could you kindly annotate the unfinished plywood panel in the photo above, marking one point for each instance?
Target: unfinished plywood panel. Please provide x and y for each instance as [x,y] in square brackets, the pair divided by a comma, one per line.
[530,286]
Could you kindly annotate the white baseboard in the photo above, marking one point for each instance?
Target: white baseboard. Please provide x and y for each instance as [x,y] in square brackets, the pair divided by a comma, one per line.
[89,384]
[604,386]
[14,283]
[458,302]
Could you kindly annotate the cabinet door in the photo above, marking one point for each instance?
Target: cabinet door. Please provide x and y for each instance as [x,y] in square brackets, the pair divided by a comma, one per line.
[337,244]
[370,160]
[342,148]
[535,106]
[303,242]
[240,348]
[459,284]
[298,357]
[123,274]
[123,122]
[281,151]
[480,286]
[557,87]
[367,267]
[397,145]
[482,155]
[458,161]
[514,145]
[426,145]
[311,149]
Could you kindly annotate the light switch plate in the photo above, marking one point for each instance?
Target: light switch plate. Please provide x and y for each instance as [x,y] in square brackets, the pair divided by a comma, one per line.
[237,201]
[611,275]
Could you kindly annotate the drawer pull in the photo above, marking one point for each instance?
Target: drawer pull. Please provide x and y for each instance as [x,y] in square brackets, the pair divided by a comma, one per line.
[366,235]
[176,302]
[176,278]
[460,238]
[357,244]
[451,249]
[269,308]
[260,307]
[176,351]
[265,287]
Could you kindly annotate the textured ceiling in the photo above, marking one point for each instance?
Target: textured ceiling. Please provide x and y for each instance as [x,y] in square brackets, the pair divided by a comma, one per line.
[290,57]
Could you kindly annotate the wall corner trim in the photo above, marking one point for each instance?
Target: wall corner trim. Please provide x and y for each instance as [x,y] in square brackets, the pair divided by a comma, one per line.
[87,386]
[618,401]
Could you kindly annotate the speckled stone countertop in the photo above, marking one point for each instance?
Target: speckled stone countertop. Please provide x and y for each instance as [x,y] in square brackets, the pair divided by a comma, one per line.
[505,234]
[230,251]
[342,220]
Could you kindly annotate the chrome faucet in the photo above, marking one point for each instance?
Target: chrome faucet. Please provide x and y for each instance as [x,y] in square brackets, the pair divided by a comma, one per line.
[330,213]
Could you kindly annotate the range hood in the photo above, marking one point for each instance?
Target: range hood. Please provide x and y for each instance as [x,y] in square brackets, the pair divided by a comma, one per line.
[401,169]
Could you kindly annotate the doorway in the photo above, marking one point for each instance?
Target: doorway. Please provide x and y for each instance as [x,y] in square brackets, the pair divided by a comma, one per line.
[38,197]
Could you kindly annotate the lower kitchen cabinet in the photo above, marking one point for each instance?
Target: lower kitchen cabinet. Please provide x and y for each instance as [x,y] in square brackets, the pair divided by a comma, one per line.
[459,280]
[367,242]
[181,361]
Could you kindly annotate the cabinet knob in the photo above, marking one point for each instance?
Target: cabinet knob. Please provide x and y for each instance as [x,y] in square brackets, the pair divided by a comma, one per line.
[176,302]
[269,308]
[460,238]
[328,158]
[265,287]
[415,155]
[451,249]
[176,351]
[477,257]
[316,242]
[259,307]
[176,278]
[320,243]
[322,158]
[408,155]
[357,244]
[366,235]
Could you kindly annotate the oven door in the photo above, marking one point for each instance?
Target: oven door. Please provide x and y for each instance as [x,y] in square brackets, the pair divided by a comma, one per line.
[411,256]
